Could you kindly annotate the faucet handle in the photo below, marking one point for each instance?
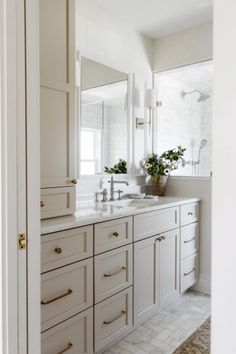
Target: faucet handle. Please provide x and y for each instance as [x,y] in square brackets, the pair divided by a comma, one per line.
[104,195]
[97,196]
[119,193]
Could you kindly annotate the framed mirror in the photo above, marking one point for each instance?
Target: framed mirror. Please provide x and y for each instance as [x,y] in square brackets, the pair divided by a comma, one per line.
[104,117]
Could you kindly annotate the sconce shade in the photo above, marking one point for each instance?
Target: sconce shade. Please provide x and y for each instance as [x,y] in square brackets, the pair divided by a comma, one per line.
[150,98]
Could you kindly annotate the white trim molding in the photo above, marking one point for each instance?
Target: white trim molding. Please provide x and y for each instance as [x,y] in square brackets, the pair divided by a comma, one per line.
[33,174]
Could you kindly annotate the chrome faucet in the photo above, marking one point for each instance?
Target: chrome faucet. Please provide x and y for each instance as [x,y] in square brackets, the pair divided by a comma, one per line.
[112,191]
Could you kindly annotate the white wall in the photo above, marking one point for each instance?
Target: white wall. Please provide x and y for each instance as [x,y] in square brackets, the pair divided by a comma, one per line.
[185,47]
[201,188]
[107,40]
[224,177]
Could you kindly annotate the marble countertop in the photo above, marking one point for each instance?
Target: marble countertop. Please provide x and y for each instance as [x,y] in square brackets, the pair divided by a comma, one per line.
[90,213]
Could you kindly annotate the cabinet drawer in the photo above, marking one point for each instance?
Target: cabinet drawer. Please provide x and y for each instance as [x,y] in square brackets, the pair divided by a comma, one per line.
[153,223]
[57,202]
[113,272]
[189,272]
[65,247]
[189,240]
[74,335]
[65,292]
[113,317]
[189,213]
[112,234]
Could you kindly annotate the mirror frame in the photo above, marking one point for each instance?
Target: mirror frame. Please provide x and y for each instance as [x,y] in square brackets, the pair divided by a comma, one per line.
[130,117]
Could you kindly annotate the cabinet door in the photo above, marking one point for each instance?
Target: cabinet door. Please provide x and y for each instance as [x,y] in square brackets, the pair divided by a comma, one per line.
[168,266]
[146,276]
[57,103]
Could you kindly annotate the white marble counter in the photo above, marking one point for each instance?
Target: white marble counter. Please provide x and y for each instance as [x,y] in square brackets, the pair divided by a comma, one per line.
[90,213]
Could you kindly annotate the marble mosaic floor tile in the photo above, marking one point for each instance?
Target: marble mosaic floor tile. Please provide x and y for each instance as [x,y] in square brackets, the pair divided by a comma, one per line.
[167,330]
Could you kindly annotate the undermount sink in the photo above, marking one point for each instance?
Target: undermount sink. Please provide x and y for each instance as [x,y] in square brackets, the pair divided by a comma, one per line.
[134,203]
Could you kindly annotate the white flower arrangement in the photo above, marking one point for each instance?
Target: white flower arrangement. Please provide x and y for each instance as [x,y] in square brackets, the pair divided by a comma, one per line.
[162,165]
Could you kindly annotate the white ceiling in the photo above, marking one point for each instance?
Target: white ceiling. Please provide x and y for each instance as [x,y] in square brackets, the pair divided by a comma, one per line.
[157,18]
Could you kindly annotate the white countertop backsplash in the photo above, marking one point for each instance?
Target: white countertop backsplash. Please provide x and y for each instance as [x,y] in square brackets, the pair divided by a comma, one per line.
[89,212]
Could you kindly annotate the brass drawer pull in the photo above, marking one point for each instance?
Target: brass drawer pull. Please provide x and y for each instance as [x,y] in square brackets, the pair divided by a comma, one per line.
[123,312]
[161,238]
[190,213]
[42,204]
[58,250]
[47,302]
[108,275]
[192,239]
[191,271]
[74,181]
[69,346]
[116,234]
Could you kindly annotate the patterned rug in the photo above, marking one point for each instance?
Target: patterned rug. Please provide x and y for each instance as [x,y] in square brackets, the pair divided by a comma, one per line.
[198,342]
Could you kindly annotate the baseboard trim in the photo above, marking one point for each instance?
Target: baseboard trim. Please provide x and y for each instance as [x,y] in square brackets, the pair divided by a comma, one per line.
[203,286]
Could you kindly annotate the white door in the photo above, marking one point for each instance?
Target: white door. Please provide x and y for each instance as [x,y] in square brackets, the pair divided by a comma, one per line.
[168,266]
[146,280]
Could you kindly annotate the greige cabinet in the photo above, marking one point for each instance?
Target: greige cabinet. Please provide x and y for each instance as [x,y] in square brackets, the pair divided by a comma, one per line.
[114,275]
[146,272]
[189,243]
[168,266]
[57,106]
[112,318]
[156,273]
[74,335]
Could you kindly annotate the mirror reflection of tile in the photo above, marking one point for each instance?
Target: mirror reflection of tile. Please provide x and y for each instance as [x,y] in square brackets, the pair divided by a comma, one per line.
[104,117]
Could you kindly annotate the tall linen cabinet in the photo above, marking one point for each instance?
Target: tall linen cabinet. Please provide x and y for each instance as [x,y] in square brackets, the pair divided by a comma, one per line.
[58,107]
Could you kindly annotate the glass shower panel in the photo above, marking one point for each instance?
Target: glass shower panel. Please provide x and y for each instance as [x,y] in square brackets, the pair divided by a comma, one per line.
[184,116]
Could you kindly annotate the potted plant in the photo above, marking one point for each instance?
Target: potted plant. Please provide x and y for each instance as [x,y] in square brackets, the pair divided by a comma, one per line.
[160,167]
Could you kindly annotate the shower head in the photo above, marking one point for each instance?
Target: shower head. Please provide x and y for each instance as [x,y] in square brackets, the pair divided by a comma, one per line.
[202,98]
[203,143]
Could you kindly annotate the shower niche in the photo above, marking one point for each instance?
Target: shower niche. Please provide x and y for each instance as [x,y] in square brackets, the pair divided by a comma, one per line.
[184,116]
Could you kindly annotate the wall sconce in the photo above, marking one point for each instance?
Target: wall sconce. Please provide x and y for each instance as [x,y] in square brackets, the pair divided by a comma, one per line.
[150,103]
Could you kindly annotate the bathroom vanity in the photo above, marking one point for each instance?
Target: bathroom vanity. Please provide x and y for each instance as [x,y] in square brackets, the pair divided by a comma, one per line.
[111,266]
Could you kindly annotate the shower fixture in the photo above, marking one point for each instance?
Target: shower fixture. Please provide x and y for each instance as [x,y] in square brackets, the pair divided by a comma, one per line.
[196,163]
[202,96]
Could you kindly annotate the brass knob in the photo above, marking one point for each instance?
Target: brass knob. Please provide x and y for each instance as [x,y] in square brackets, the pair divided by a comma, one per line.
[116,234]
[74,181]
[42,204]
[163,237]
[58,250]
